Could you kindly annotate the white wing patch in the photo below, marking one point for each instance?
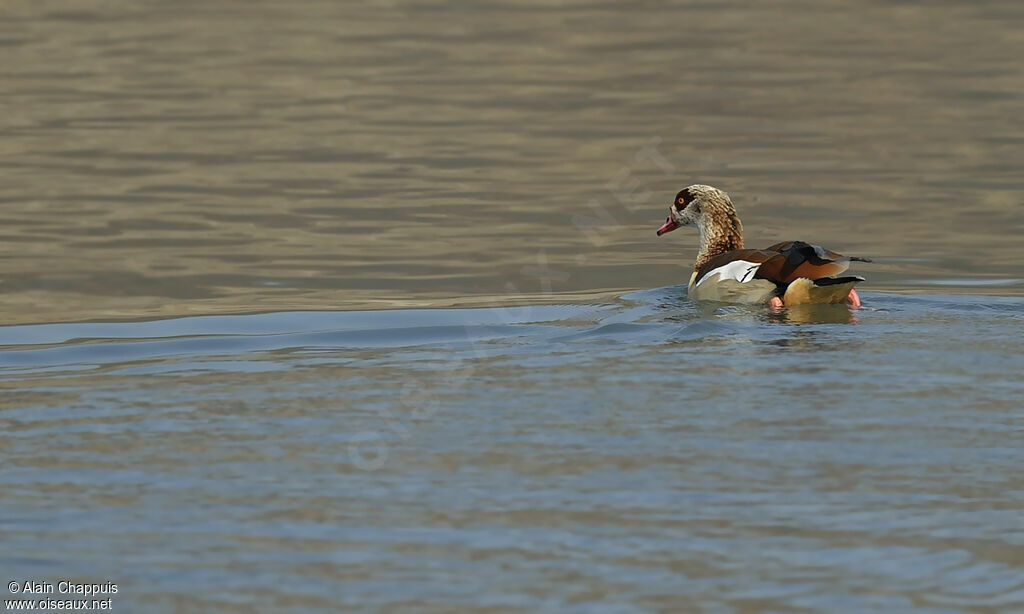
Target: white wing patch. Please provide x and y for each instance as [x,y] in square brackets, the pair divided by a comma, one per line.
[738,270]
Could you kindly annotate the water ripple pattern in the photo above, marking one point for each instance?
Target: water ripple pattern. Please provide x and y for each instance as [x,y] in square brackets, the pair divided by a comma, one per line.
[649,454]
[160,161]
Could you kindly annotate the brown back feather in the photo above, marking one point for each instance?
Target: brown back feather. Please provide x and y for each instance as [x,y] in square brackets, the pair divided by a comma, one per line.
[783,262]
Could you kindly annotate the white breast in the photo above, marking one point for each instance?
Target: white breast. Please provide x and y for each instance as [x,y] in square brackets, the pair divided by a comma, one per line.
[733,283]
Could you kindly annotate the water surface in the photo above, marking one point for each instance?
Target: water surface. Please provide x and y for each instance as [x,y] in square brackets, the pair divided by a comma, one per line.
[233,238]
[160,158]
[646,454]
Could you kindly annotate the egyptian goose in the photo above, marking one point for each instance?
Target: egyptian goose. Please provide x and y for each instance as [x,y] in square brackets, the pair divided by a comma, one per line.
[788,273]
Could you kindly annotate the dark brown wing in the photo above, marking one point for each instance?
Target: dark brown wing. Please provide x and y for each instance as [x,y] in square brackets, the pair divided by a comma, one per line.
[820,251]
[748,255]
[784,262]
[795,259]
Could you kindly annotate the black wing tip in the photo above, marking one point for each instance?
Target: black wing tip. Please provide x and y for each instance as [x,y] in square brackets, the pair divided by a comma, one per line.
[831,281]
[860,259]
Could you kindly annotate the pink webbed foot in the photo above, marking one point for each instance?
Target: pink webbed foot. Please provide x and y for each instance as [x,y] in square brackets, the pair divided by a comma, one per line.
[853,299]
[775,303]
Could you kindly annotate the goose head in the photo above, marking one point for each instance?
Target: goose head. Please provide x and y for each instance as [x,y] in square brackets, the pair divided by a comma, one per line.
[703,206]
[711,211]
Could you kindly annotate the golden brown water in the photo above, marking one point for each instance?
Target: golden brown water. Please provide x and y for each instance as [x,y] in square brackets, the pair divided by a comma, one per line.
[605,453]
[163,159]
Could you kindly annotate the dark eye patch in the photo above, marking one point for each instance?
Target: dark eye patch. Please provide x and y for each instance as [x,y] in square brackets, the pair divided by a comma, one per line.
[683,198]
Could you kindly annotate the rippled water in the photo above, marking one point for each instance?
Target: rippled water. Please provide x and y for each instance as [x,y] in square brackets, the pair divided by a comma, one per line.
[650,453]
[233,238]
[163,158]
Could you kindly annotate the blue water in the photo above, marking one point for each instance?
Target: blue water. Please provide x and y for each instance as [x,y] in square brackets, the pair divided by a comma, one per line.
[588,458]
